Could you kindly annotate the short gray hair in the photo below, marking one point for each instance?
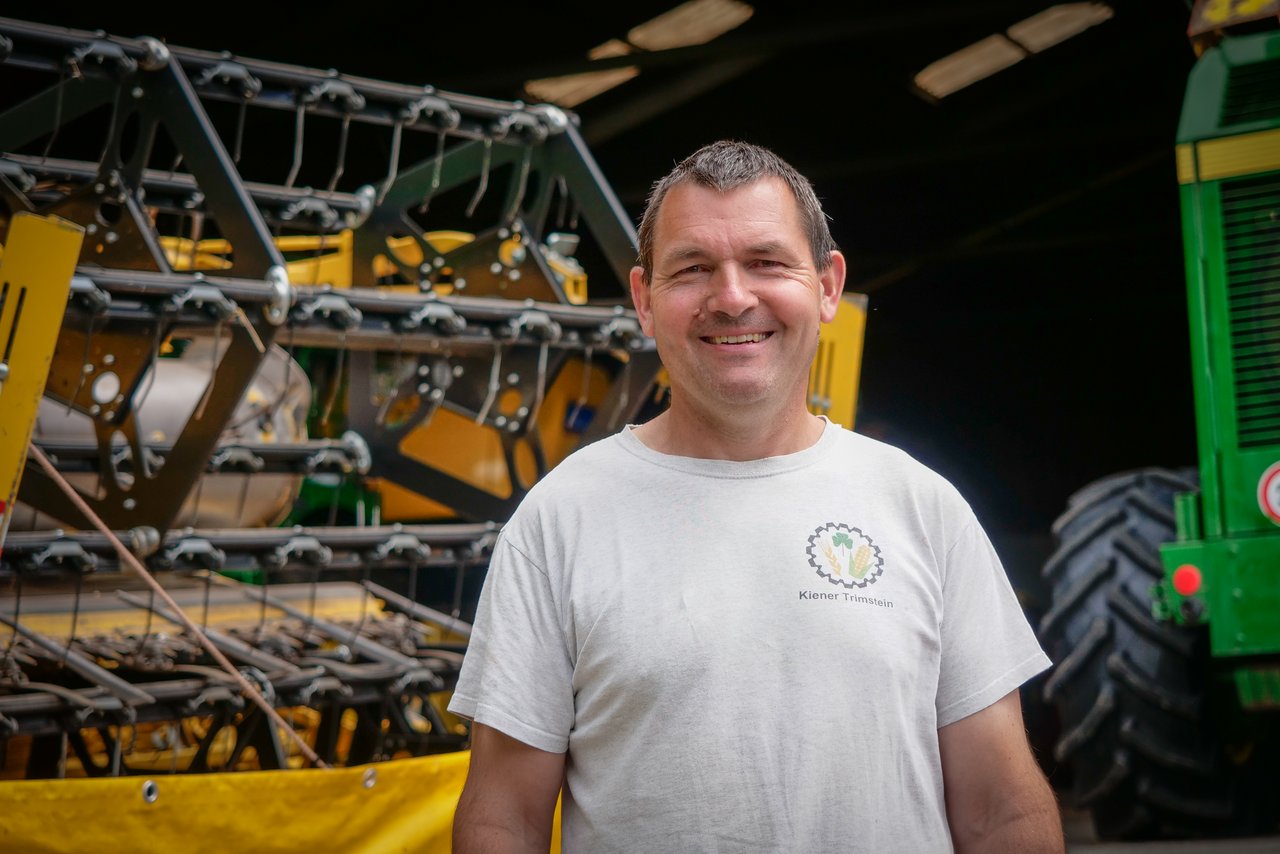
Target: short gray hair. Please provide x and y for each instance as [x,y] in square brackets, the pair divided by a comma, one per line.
[727,165]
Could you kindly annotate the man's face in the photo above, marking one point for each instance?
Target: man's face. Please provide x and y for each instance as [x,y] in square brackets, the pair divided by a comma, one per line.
[735,298]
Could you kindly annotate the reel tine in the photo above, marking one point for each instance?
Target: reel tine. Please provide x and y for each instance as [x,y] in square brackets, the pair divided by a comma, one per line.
[238,141]
[541,387]
[484,178]
[494,373]
[436,169]
[342,155]
[509,214]
[75,618]
[393,167]
[299,127]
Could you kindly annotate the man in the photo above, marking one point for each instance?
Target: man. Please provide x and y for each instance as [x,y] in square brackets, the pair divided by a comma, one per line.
[739,627]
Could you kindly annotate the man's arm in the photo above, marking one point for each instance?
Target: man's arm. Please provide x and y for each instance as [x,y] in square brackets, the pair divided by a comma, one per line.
[997,797]
[509,799]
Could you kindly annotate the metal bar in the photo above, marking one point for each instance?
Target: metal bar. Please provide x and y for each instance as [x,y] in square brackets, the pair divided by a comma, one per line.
[476,537]
[284,83]
[264,457]
[246,688]
[156,181]
[232,646]
[604,215]
[127,693]
[168,95]
[404,605]
[367,647]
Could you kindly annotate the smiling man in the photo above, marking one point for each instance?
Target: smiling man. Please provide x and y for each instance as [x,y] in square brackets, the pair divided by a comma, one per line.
[739,627]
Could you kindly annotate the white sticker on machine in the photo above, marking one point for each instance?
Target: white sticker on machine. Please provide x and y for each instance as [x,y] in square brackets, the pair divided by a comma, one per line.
[1269,493]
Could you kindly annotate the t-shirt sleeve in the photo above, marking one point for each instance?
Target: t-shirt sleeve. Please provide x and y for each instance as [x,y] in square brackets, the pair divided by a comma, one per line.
[517,677]
[988,649]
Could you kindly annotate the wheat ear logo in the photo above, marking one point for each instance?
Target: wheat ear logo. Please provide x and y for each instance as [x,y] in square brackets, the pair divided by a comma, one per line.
[844,555]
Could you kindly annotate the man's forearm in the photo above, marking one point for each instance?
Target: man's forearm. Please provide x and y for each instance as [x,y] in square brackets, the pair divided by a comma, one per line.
[1030,823]
[480,828]
[473,837]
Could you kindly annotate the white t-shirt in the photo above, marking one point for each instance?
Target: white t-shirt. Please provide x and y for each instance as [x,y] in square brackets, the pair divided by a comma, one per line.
[745,656]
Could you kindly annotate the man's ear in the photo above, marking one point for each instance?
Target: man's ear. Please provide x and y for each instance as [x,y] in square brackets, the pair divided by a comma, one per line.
[831,282]
[640,298]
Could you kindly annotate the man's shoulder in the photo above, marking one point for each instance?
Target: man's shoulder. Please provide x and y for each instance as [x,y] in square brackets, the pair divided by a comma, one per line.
[583,471]
[867,452]
[896,474]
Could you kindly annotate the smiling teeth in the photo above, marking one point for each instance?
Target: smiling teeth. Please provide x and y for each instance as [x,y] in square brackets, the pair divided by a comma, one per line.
[753,338]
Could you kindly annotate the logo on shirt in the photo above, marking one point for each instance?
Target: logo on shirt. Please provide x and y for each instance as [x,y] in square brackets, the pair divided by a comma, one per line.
[844,555]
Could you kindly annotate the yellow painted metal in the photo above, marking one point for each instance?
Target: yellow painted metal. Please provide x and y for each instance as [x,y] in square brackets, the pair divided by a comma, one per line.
[833,379]
[471,452]
[35,276]
[52,615]
[1210,15]
[1215,159]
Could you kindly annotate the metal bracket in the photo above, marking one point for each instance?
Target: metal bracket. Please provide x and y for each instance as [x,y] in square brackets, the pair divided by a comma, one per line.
[403,546]
[195,551]
[227,73]
[438,316]
[65,554]
[538,323]
[334,91]
[330,307]
[101,52]
[308,549]
[205,298]
[234,458]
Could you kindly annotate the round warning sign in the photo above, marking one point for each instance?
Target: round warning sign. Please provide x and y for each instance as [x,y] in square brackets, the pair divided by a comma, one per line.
[1269,493]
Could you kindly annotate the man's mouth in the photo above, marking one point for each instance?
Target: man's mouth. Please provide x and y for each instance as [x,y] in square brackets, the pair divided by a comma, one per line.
[751,338]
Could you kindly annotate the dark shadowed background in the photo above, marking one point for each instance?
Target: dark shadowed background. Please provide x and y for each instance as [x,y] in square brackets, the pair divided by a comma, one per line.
[1020,240]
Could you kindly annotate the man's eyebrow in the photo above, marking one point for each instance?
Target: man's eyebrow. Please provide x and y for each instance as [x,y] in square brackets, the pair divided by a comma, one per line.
[682,253]
[768,248]
[687,253]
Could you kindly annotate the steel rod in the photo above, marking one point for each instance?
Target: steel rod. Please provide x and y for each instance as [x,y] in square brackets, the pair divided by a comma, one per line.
[246,687]
[418,611]
[130,694]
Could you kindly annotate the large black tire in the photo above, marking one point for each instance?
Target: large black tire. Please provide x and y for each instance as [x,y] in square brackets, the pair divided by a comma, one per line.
[1138,729]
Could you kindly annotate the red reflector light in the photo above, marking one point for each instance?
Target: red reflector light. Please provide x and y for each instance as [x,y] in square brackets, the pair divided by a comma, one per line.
[1186,579]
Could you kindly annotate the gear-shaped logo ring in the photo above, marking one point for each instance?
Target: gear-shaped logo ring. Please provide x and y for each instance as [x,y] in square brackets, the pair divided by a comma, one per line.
[844,555]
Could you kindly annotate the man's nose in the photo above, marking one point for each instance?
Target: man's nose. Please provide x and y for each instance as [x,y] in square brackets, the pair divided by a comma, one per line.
[731,291]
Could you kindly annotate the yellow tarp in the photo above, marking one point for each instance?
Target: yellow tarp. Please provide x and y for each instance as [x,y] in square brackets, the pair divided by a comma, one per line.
[408,807]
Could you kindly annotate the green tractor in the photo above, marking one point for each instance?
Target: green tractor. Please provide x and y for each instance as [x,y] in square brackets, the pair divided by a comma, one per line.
[1165,616]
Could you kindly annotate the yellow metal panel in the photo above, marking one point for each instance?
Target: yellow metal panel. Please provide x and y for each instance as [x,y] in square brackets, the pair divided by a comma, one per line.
[1186,163]
[473,453]
[35,277]
[99,615]
[328,258]
[1232,156]
[833,379]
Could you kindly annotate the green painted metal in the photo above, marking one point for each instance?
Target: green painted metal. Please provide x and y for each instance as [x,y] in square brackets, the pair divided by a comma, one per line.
[1258,687]
[1240,596]
[1186,511]
[1231,224]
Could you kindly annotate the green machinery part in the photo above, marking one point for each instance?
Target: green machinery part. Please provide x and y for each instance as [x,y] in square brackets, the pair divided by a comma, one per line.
[1224,568]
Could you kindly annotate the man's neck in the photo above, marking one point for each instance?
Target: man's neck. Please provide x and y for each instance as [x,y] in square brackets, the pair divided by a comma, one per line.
[687,432]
